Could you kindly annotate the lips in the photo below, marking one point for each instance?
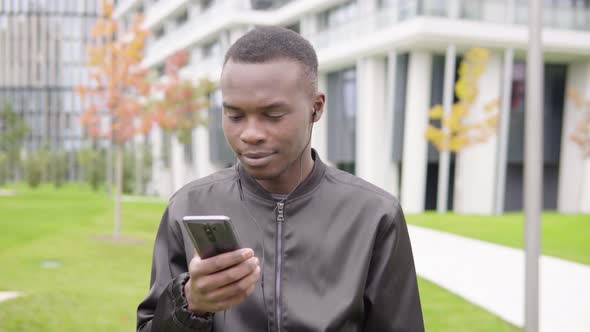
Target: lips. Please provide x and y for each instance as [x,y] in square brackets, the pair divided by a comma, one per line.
[256,159]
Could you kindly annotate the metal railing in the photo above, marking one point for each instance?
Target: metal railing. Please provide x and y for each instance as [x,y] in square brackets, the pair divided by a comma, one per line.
[496,11]
[195,24]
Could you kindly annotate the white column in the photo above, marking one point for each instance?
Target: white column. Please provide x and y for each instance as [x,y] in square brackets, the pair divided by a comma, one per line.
[391,178]
[373,157]
[444,163]
[413,186]
[475,179]
[203,163]
[177,162]
[453,9]
[574,171]
[368,6]
[159,181]
[503,126]
[138,154]
[319,139]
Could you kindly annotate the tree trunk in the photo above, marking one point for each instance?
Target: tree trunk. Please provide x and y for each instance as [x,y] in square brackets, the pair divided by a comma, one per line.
[139,168]
[118,187]
[109,177]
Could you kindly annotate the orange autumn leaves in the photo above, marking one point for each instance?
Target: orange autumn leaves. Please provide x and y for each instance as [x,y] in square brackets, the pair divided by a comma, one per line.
[459,133]
[113,106]
[118,99]
[176,110]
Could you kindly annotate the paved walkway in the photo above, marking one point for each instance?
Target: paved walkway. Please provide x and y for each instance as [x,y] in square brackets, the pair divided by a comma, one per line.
[492,276]
[8,295]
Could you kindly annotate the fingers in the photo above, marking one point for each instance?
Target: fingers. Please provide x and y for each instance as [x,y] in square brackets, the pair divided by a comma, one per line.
[203,267]
[220,282]
[228,276]
[239,289]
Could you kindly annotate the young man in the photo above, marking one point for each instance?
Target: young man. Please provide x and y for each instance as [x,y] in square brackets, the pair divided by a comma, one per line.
[337,255]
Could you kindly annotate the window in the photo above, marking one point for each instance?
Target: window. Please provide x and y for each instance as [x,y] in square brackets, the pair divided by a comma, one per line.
[182,18]
[188,150]
[342,119]
[399,107]
[160,70]
[338,15]
[212,49]
[219,150]
[388,3]
[159,32]
[294,27]
[206,4]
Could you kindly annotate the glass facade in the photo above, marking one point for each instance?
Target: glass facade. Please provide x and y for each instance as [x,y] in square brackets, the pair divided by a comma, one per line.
[219,150]
[42,59]
[338,16]
[553,100]
[343,22]
[342,111]
[268,4]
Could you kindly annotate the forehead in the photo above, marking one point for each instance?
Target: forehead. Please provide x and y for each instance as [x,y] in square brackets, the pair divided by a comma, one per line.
[274,79]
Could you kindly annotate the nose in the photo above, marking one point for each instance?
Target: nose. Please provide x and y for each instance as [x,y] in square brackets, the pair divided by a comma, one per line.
[253,134]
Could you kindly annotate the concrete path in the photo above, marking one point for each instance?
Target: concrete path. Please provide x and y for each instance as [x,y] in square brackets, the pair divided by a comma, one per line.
[8,295]
[492,276]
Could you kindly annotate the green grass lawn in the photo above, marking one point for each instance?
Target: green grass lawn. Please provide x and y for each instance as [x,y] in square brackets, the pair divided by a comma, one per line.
[99,284]
[564,236]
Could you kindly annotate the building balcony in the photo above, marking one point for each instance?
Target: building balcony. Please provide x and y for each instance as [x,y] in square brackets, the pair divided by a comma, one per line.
[507,12]
[211,20]
[124,6]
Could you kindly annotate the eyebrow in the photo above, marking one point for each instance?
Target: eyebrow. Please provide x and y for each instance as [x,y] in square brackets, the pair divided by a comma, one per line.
[268,107]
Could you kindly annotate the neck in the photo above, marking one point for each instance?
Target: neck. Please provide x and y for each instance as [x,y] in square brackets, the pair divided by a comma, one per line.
[296,173]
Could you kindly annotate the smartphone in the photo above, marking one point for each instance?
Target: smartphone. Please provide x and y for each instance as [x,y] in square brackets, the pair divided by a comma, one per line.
[211,235]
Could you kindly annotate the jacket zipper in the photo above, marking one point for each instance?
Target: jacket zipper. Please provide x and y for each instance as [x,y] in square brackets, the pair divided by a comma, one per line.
[278,263]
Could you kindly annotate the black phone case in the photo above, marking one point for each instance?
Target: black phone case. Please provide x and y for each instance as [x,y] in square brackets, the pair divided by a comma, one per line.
[212,237]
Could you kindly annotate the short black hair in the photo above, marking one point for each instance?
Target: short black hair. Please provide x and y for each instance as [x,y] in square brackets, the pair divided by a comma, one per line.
[265,44]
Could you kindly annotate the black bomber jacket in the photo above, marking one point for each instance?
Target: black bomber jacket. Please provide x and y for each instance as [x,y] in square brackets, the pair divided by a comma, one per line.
[337,257]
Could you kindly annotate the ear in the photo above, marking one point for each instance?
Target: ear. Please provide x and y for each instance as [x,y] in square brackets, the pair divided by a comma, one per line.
[319,101]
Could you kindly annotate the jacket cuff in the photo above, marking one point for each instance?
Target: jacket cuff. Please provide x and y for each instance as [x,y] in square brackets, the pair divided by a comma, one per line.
[181,314]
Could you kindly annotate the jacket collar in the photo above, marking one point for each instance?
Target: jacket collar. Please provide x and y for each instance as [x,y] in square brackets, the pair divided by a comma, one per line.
[307,185]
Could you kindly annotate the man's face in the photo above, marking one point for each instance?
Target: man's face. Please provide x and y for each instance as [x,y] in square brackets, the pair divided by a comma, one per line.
[267,112]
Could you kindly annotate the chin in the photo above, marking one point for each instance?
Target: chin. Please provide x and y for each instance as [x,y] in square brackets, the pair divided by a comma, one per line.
[261,173]
[267,172]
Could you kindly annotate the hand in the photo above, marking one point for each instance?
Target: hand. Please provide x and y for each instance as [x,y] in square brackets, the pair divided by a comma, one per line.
[220,282]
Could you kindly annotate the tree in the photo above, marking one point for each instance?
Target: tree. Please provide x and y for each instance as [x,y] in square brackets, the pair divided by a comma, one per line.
[119,86]
[36,165]
[58,168]
[13,131]
[4,175]
[178,111]
[92,162]
[454,133]
[581,135]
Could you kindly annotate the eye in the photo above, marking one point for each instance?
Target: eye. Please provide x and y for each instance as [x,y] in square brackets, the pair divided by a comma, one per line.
[235,117]
[274,115]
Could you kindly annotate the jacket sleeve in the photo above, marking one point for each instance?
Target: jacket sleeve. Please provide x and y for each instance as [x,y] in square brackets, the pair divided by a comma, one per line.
[391,298]
[165,307]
